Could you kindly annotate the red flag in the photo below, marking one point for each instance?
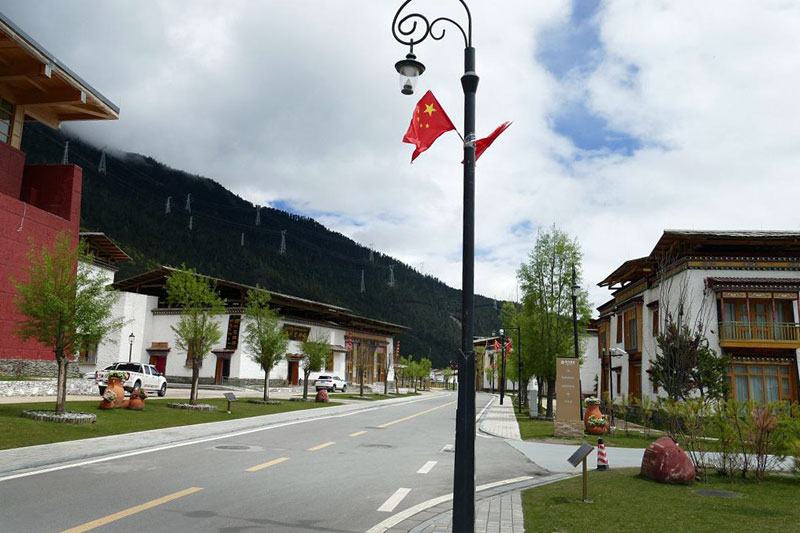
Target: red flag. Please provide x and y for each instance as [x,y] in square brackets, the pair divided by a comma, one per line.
[508,346]
[496,345]
[482,144]
[427,124]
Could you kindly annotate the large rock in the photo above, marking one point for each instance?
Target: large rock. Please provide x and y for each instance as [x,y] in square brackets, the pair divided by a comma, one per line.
[665,461]
[322,396]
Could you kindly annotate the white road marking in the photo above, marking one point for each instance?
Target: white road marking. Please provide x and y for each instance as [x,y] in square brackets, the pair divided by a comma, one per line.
[427,467]
[448,448]
[389,505]
[411,511]
[201,440]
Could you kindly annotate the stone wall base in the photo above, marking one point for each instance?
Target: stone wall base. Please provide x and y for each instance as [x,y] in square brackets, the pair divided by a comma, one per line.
[35,368]
[47,387]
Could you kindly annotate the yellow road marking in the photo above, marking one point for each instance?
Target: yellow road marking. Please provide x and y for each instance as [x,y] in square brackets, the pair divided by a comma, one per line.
[320,446]
[267,464]
[387,424]
[357,433]
[133,510]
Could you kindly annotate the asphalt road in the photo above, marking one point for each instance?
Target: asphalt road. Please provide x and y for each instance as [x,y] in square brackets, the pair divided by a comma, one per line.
[336,474]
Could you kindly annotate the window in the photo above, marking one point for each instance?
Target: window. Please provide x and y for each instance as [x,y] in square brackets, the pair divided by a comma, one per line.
[88,355]
[6,118]
[655,322]
[329,362]
[619,329]
[768,381]
[631,331]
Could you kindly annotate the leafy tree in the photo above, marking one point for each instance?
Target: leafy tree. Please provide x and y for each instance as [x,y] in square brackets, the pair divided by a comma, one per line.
[403,362]
[65,306]
[447,373]
[266,342]
[316,352]
[425,366]
[546,281]
[413,370]
[364,354]
[197,331]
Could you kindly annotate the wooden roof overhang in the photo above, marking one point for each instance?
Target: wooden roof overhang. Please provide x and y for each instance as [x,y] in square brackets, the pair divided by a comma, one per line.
[153,283]
[718,284]
[675,244]
[630,271]
[103,247]
[41,86]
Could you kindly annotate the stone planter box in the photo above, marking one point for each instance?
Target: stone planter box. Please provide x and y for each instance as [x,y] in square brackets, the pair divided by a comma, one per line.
[67,417]
[190,407]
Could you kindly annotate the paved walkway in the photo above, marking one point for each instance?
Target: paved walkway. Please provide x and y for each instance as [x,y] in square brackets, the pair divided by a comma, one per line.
[500,420]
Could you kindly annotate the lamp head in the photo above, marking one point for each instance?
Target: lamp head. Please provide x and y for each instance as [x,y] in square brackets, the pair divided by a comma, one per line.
[409,70]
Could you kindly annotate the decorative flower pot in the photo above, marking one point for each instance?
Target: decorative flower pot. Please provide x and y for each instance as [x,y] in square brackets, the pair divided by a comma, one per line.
[107,405]
[593,410]
[115,384]
[136,403]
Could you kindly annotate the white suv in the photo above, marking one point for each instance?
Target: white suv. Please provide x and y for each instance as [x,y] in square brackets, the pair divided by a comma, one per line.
[330,384]
[136,375]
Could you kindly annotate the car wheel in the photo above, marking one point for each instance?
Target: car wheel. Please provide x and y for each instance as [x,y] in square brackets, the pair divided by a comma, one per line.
[344,388]
[102,389]
[137,385]
[333,389]
[163,390]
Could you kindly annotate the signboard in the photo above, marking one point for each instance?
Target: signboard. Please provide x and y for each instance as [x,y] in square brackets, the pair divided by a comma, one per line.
[580,454]
[568,397]
[231,397]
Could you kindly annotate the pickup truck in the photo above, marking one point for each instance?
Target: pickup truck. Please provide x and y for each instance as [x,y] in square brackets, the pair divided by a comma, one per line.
[137,375]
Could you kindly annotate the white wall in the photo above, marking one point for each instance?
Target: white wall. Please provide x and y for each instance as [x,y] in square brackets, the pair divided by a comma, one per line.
[590,366]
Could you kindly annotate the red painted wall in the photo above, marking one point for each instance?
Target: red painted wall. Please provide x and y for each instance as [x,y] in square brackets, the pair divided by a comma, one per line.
[12,162]
[58,189]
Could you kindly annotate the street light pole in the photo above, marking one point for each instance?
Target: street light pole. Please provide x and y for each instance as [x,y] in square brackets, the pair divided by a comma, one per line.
[131,338]
[575,289]
[409,30]
[503,372]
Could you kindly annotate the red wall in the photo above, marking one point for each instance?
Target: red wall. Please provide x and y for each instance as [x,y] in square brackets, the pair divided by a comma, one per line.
[59,191]
[12,162]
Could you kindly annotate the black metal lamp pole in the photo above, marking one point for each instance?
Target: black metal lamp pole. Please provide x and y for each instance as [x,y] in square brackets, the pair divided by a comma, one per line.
[409,30]
[503,372]
[575,289]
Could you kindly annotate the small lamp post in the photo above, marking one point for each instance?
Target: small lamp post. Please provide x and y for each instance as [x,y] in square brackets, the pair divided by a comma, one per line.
[503,371]
[131,338]
[575,289]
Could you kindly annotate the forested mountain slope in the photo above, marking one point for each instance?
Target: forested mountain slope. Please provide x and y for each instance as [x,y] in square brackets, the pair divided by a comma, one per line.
[128,203]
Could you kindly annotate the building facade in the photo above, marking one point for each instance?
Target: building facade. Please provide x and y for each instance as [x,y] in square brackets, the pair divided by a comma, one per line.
[149,322]
[740,288]
[37,202]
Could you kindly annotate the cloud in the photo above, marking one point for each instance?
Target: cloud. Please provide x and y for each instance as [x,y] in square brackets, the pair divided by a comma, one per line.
[629,117]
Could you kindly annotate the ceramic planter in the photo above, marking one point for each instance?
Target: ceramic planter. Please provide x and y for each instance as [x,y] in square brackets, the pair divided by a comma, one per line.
[115,384]
[593,410]
[137,404]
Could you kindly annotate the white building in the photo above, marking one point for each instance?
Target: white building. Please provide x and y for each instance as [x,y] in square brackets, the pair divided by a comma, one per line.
[742,285]
[147,335]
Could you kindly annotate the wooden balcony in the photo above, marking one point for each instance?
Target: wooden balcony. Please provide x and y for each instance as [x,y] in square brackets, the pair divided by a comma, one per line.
[767,335]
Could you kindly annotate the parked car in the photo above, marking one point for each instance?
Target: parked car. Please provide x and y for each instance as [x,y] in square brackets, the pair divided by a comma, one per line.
[330,384]
[137,375]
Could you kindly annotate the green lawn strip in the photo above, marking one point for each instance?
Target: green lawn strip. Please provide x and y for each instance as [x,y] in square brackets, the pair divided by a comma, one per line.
[625,502]
[532,429]
[16,431]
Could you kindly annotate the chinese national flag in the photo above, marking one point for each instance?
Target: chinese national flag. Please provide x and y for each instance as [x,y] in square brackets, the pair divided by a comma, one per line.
[427,124]
[482,144]
[508,346]
[497,346]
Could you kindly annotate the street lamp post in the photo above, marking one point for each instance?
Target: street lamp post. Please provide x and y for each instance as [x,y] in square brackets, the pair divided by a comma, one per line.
[503,372]
[575,289]
[409,30]
[131,338]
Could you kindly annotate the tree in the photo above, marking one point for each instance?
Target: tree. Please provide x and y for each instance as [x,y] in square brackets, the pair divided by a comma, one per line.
[546,281]
[197,331]
[316,351]
[425,369]
[447,373]
[266,342]
[413,370]
[65,305]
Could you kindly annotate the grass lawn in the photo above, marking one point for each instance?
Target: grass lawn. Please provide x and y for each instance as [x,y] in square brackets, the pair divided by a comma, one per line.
[531,429]
[624,502]
[16,431]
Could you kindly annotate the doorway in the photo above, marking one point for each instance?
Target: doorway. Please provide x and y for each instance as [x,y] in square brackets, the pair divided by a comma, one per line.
[223,371]
[293,373]
[159,362]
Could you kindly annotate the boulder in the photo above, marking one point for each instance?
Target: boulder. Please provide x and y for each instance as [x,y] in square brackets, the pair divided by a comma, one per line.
[665,461]
[322,396]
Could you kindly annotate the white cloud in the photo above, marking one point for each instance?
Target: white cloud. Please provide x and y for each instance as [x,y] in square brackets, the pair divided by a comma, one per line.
[298,101]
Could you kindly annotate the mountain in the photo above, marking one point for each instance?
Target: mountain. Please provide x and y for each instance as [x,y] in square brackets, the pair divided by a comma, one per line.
[129,202]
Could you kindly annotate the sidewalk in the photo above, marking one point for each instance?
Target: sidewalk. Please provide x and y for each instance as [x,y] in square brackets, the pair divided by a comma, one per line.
[17,461]
[500,420]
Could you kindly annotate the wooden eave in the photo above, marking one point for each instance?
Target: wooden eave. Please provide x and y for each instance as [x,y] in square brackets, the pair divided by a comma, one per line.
[103,247]
[674,244]
[37,82]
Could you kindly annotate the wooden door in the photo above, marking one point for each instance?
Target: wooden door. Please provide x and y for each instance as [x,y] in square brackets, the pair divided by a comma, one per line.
[218,373]
[635,381]
[292,376]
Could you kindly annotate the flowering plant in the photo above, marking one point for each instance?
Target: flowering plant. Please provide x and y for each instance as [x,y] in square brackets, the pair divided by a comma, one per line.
[116,374]
[595,421]
[139,393]
[591,400]
[110,396]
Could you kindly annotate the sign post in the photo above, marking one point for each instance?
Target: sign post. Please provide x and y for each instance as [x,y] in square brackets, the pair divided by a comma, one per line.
[580,456]
[231,397]
[568,395]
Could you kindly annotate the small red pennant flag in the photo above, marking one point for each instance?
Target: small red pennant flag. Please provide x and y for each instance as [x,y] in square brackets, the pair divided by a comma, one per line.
[427,124]
[482,144]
